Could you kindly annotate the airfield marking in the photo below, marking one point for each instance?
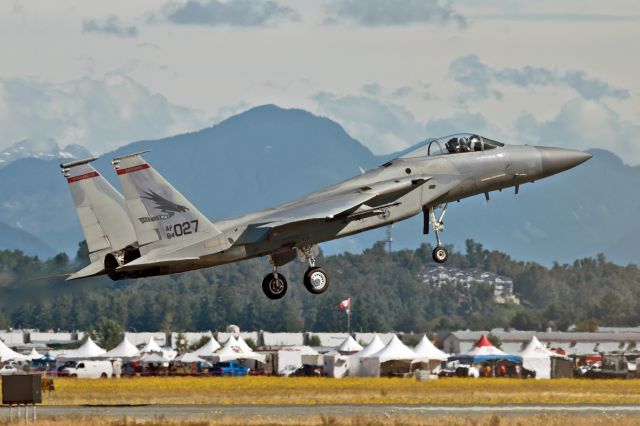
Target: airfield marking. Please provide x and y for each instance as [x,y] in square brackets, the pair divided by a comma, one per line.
[295,411]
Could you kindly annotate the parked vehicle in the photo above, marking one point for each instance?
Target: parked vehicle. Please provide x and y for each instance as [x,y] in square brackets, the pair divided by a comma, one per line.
[613,366]
[229,368]
[89,369]
[308,370]
[9,370]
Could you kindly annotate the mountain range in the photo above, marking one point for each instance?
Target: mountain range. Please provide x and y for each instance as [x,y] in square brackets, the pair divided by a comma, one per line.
[268,155]
[46,149]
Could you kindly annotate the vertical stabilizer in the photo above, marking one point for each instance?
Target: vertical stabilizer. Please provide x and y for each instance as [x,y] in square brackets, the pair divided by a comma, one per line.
[101,210]
[159,213]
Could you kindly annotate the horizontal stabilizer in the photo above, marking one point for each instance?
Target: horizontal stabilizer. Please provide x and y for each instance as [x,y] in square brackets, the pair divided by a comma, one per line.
[93,269]
[136,265]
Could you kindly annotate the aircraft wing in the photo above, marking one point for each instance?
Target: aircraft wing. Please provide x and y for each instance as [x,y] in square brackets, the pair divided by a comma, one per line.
[347,205]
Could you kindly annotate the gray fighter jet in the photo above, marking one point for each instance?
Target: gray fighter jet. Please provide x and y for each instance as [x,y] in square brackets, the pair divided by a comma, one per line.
[154,230]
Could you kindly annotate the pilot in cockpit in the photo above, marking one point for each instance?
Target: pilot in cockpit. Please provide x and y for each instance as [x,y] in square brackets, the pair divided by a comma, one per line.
[464,145]
[457,145]
[453,145]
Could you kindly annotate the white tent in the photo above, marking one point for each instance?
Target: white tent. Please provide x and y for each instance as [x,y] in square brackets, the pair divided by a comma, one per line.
[349,346]
[189,358]
[356,359]
[151,346]
[425,349]
[396,351]
[88,350]
[243,345]
[125,349]
[234,352]
[536,357]
[154,358]
[8,354]
[208,348]
[33,355]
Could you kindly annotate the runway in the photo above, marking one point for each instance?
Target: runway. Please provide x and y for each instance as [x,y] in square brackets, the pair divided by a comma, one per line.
[305,411]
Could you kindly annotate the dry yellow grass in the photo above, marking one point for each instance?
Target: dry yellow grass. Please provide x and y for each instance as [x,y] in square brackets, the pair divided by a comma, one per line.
[540,420]
[295,391]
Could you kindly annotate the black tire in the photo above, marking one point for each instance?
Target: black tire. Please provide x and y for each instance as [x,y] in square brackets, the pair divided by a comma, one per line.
[316,280]
[274,288]
[104,375]
[440,254]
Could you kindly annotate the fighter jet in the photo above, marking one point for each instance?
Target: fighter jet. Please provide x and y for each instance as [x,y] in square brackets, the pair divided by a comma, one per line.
[154,230]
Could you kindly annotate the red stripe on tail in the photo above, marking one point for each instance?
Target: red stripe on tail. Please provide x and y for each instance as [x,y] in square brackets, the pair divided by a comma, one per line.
[82,177]
[132,169]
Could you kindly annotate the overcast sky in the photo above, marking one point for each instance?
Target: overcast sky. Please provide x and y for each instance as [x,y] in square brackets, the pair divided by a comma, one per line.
[105,73]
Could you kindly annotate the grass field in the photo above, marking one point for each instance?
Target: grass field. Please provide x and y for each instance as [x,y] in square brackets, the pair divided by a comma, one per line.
[303,390]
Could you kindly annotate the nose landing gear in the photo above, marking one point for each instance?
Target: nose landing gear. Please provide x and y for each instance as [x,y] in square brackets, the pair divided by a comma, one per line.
[440,253]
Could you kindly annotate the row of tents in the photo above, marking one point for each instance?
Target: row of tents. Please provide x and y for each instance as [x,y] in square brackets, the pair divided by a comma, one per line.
[350,358]
[395,357]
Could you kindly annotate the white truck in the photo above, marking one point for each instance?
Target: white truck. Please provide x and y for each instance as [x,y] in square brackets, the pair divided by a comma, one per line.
[89,369]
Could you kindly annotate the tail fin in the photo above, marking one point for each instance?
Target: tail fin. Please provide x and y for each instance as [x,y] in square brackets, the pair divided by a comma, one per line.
[156,209]
[101,210]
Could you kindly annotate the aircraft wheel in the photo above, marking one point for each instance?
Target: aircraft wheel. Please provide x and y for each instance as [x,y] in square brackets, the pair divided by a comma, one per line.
[316,280]
[274,288]
[440,254]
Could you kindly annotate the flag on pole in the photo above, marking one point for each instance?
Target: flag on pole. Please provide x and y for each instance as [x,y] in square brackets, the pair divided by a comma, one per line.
[346,305]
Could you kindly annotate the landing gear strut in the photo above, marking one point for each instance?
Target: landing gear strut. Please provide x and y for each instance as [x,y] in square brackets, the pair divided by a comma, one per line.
[316,279]
[440,254]
[274,285]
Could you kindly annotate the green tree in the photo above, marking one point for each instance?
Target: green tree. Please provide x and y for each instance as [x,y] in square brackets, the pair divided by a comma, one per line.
[527,319]
[589,325]
[495,340]
[108,333]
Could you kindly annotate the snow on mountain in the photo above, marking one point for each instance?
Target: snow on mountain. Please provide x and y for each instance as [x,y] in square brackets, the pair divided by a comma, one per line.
[42,149]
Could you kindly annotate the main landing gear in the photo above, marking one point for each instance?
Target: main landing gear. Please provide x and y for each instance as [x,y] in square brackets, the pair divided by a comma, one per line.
[274,284]
[440,253]
[316,279]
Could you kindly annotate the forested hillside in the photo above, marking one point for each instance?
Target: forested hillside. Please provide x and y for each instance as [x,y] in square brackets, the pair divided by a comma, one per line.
[386,289]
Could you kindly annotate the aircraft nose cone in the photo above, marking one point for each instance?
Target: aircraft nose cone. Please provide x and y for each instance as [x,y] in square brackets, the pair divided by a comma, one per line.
[556,160]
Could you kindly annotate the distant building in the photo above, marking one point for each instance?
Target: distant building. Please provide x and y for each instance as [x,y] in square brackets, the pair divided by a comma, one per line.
[572,343]
[502,286]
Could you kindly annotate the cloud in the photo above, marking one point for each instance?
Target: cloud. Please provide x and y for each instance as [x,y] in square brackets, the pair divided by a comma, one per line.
[583,124]
[376,13]
[386,127]
[481,79]
[557,17]
[110,25]
[98,114]
[382,126]
[241,13]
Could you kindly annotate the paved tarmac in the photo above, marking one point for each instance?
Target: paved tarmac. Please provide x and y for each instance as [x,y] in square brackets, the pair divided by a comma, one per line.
[299,411]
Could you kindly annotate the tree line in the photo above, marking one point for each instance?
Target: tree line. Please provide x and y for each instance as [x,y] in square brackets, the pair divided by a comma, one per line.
[387,290]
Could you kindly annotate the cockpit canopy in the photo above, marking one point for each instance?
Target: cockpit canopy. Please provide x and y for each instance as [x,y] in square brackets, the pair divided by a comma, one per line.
[453,144]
